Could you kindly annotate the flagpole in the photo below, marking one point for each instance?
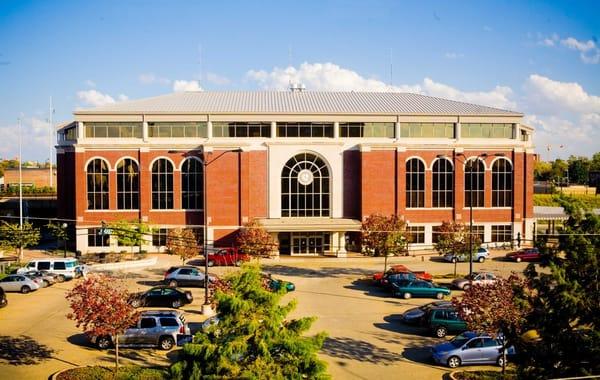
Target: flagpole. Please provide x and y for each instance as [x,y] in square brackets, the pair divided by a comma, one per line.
[20,189]
[50,142]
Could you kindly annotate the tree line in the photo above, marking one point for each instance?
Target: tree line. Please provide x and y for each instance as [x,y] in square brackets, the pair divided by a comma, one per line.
[574,170]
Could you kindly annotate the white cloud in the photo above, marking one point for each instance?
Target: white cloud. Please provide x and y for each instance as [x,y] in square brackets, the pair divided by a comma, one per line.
[217,79]
[549,41]
[331,77]
[35,139]
[95,98]
[556,96]
[90,83]
[150,78]
[184,85]
[574,44]
[453,55]
[589,52]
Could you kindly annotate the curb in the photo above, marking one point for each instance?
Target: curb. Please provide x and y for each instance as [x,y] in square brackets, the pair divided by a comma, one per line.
[124,265]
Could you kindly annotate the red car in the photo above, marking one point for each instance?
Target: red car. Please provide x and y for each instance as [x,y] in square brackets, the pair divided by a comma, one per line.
[422,275]
[524,254]
[227,256]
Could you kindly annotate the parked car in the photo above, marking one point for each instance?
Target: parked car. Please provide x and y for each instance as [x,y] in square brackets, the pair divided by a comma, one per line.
[156,328]
[66,268]
[162,296]
[227,256]
[481,278]
[46,277]
[3,300]
[442,320]
[18,283]
[470,348]
[420,288]
[480,256]
[524,254]
[185,276]
[379,277]
[415,315]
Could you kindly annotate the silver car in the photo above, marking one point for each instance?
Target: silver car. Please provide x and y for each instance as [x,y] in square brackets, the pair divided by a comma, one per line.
[19,283]
[46,277]
[155,328]
[470,348]
[185,276]
[481,278]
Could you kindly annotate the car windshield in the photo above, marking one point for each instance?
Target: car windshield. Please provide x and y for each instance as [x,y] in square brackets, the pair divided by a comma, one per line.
[459,340]
[72,264]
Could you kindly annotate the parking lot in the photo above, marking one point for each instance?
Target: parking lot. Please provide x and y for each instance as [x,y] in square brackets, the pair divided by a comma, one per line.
[366,339]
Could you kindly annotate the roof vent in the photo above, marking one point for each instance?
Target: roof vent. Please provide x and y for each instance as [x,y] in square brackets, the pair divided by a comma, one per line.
[297,87]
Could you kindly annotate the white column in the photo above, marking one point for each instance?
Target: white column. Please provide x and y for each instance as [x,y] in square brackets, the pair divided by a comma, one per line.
[516,131]
[145,131]
[275,252]
[209,130]
[457,131]
[341,243]
[397,130]
[273,129]
[80,130]
[336,130]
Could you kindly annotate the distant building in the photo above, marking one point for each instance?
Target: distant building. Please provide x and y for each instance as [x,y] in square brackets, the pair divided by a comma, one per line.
[309,165]
[36,177]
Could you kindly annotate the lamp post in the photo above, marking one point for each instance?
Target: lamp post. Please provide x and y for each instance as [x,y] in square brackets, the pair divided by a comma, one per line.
[470,162]
[206,307]
[64,226]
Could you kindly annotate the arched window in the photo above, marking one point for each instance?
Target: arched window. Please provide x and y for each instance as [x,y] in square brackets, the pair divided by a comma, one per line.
[192,184]
[128,185]
[474,182]
[443,183]
[502,183]
[305,187]
[97,184]
[415,183]
[162,184]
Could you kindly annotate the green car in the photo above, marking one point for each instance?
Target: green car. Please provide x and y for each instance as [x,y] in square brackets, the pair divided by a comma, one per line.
[419,288]
[276,284]
[443,320]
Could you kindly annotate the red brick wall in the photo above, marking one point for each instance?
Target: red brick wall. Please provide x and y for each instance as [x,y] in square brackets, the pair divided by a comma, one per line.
[378,179]
[352,184]
[37,177]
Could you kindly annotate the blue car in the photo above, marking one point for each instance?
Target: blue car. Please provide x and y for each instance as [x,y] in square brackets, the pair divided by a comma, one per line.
[470,348]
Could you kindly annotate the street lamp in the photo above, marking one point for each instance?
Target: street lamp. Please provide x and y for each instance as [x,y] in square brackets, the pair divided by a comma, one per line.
[470,162]
[206,307]
[64,227]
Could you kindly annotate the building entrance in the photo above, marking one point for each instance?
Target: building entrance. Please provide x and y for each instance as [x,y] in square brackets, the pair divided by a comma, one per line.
[304,243]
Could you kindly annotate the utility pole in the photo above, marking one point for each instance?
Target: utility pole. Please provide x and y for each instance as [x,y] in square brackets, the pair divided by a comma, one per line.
[50,135]
[20,192]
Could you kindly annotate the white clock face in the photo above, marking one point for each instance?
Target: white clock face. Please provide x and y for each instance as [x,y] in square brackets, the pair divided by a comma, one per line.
[305,177]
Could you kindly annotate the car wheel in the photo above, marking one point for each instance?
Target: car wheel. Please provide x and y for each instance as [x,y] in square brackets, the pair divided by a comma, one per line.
[439,296]
[173,283]
[481,259]
[46,283]
[103,342]
[136,303]
[454,260]
[500,361]
[440,332]
[210,263]
[406,295]
[25,289]
[518,259]
[453,361]
[176,304]
[166,343]
[60,278]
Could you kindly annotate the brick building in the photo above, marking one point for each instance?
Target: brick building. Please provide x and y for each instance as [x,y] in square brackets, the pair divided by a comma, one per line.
[32,177]
[309,165]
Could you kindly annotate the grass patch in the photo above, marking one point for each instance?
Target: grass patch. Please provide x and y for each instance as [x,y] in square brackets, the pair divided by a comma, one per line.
[589,201]
[106,373]
[486,375]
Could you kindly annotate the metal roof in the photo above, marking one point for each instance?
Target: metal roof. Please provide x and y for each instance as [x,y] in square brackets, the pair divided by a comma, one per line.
[553,213]
[304,102]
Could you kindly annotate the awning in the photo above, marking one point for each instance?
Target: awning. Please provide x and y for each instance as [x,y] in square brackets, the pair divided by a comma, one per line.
[310,224]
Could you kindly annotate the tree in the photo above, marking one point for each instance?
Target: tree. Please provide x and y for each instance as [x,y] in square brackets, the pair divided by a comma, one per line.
[384,235]
[254,240]
[130,233]
[453,238]
[495,310]
[182,242]
[579,169]
[253,338]
[565,301]
[100,306]
[60,232]
[542,171]
[15,238]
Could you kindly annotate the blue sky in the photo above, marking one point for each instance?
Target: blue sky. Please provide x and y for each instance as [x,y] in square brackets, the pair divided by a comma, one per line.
[542,59]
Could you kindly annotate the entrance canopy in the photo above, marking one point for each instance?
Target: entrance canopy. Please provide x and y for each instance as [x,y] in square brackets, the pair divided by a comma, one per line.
[310,224]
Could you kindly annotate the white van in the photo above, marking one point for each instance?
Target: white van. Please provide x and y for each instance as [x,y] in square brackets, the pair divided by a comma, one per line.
[68,268]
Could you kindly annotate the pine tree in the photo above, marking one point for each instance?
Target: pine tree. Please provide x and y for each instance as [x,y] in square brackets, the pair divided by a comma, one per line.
[253,339]
[566,302]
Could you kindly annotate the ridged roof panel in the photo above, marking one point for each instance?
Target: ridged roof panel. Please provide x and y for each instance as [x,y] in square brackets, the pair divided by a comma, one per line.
[305,102]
